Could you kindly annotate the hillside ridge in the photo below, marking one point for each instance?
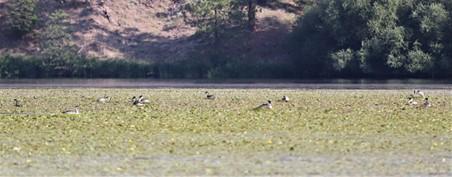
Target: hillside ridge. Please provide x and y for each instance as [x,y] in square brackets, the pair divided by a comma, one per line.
[149,30]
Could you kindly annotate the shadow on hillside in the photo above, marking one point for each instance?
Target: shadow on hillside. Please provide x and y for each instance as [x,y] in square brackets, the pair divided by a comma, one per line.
[71,4]
[3,25]
[11,41]
[275,5]
[2,7]
[75,4]
[267,43]
[132,43]
[102,39]
[8,40]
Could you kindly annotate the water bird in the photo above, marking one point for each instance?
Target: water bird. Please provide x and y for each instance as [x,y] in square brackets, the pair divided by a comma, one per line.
[427,103]
[139,104]
[136,102]
[104,99]
[285,98]
[17,103]
[73,111]
[267,105]
[143,100]
[412,102]
[419,92]
[210,96]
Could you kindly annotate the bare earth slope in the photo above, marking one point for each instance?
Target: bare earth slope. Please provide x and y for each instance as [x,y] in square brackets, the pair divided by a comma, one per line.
[144,29]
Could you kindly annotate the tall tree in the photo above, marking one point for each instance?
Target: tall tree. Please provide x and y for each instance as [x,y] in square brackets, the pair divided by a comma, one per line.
[377,37]
[251,15]
[57,47]
[22,16]
[210,16]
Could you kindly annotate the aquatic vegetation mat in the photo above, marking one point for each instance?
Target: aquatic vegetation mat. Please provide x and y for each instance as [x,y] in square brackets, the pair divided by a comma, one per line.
[318,132]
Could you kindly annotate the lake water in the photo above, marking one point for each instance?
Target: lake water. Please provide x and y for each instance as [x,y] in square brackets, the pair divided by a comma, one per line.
[271,84]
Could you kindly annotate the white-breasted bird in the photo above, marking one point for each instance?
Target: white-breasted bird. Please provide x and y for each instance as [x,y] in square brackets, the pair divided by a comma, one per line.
[143,100]
[267,105]
[139,104]
[136,102]
[210,96]
[73,111]
[419,92]
[103,99]
[427,103]
[412,102]
[285,98]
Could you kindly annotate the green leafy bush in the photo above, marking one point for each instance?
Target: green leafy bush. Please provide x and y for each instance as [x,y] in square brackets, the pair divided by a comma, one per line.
[58,52]
[374,37]
[19,66]
[22,16]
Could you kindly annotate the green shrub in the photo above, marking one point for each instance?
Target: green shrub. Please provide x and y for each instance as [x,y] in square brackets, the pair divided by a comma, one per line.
[395,38]
[22,16]
[19,66]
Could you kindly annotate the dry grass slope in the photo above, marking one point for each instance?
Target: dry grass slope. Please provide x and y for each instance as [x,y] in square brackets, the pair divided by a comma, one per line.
[144,29]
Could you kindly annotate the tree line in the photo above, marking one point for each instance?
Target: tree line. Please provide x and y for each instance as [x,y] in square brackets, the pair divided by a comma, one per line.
[374,38]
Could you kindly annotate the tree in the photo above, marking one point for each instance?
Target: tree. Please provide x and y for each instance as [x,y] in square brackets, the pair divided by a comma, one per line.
[216,16]
[22,16]
[377,37]
[419,60]
[251,15]
[57,49]
[210,16]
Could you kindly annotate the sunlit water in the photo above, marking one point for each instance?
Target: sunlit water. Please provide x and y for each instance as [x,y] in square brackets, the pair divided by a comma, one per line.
[272,84]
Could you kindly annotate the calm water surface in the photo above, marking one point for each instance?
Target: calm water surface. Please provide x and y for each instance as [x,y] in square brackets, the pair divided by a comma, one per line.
[271,84]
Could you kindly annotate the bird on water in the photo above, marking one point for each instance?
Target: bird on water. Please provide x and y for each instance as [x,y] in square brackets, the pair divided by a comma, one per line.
[267,105]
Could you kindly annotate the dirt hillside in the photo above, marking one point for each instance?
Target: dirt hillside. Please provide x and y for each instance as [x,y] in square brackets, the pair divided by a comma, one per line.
[149,29]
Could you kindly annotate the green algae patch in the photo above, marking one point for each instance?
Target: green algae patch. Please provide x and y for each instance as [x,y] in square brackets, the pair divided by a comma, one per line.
[196,136]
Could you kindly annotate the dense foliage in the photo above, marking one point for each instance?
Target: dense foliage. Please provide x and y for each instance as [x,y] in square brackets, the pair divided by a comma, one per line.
[17,66]
[211,17]
[22,16]
[57,49]
[216,17]
[378,38]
